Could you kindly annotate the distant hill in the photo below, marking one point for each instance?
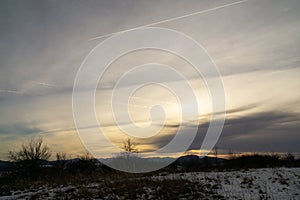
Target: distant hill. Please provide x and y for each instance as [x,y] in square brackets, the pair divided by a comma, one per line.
[6,166]
[194,161]
[183,161]
[188,162]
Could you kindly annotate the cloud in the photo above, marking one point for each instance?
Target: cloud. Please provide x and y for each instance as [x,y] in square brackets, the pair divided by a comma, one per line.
[11,91]
[44,84]
[15,131]
[264,131]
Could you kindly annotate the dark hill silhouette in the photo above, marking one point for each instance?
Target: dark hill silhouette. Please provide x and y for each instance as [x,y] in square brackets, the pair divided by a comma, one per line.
[195,162]
[188,162]
[6,166]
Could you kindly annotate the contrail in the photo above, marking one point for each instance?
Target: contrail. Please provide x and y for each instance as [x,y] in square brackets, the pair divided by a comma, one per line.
[24,91]
[171,19]
[11,91]
[44,84]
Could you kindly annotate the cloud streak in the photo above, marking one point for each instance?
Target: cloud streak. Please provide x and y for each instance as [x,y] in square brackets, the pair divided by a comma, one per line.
[11,91]
[44,84]
[171,19]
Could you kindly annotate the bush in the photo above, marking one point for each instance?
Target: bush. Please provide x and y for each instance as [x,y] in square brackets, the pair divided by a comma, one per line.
[31,155]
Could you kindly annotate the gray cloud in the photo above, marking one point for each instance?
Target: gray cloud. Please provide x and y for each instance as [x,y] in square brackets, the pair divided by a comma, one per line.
[13,131]
[265,131]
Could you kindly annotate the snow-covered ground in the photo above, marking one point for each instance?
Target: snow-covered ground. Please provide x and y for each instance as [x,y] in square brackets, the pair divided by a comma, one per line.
[268,183]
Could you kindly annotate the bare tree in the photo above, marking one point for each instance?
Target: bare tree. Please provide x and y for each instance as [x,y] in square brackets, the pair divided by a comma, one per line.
[216,151]
[127,159]
[31,153]
[289,157]
[231,155]
[129,145]
[87,156]
[86,163]
[61,156]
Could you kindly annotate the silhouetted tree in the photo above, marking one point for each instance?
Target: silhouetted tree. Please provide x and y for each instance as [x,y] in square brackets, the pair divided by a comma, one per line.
[289,157]
[129,145]
[216,151]
[85,165]
[31,155]
[61,158]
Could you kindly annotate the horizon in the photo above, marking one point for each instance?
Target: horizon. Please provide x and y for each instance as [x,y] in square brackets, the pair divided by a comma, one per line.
[226,156]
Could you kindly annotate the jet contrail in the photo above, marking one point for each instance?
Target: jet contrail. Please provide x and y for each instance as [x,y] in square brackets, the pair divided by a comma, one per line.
[11,91]
[171,19]
[44,84]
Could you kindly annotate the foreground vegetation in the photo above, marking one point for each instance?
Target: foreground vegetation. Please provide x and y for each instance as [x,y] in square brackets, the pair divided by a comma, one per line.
[255,176]
[263,183]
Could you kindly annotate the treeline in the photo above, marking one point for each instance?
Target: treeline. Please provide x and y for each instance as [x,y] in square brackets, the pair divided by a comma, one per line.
[32,161]
[254,160]
[257,160]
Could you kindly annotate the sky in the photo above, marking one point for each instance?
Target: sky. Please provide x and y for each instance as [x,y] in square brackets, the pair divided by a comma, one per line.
[255,45]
